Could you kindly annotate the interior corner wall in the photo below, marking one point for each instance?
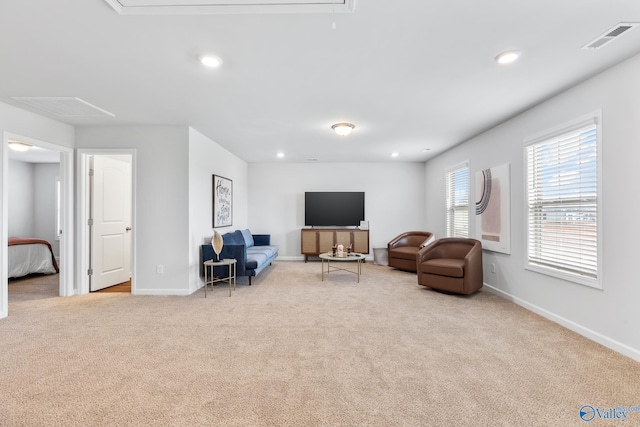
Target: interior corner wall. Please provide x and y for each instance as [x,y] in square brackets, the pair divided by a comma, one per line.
[207,158]
[394,198]
[21,199]
[44,193]
[161,201]
[609,316]
[32,201]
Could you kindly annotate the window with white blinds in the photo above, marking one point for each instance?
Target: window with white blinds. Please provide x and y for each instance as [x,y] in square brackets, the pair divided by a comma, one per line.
[562,203]
[457,182]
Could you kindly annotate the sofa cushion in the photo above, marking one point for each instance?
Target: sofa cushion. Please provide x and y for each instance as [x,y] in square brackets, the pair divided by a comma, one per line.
[258,255]
[248,238]
[404,252]
[443,267]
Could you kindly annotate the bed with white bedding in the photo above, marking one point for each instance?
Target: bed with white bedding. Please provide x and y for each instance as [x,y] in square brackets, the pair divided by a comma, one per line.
[29,256]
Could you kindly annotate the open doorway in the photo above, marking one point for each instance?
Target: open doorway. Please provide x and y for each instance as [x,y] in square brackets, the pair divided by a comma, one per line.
[37,189]
[106,213]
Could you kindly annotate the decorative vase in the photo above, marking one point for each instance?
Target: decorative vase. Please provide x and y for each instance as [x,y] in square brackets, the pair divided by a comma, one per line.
[217,243]
[340,250]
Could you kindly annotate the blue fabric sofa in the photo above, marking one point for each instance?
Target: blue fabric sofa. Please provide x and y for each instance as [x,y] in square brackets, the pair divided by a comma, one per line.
[253,253]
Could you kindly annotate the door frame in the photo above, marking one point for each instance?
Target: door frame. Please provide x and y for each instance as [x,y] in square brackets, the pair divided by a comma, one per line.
[67,261]
[82,243]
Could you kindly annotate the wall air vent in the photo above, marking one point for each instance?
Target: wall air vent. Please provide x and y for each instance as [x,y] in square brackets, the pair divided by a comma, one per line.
[610,35]
[63,106]
[212,7]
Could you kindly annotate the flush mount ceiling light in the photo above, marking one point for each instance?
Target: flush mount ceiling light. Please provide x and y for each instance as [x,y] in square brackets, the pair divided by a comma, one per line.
[343,129]
[210,61]
[507,57]
[19,146]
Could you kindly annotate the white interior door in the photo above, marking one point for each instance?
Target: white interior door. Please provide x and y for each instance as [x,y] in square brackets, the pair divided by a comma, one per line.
[111,215]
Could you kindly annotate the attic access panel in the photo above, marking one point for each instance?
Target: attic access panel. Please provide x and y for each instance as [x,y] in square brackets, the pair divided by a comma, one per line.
[210,7]
[65,106]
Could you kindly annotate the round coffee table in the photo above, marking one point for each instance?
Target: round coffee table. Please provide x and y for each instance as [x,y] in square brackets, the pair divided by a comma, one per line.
[352,257]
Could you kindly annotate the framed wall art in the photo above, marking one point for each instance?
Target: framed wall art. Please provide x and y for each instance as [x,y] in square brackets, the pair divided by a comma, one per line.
[493,208]
[222,201]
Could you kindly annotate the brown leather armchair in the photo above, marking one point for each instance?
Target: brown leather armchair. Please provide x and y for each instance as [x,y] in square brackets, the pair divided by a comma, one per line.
[451,265]
[402,250]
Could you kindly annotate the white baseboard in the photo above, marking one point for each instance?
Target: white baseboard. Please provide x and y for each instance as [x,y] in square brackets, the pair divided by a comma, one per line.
[163,292]
[290,258]
[573,326]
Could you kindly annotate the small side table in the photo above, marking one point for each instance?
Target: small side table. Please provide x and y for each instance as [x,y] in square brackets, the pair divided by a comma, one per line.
[231,279]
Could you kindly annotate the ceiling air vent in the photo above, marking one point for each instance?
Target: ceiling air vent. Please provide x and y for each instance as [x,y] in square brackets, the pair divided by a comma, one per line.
[610,35]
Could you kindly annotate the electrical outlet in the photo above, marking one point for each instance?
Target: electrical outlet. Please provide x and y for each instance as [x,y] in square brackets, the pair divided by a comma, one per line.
[493,268]
[160,269]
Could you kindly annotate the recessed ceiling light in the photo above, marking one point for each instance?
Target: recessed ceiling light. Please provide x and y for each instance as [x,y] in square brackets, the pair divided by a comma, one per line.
[280,155]
[343,129]
[395,154]
[507,57]
[210,61]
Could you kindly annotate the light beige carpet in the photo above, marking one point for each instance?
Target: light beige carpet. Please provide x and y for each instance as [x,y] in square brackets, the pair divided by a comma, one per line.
[291,350]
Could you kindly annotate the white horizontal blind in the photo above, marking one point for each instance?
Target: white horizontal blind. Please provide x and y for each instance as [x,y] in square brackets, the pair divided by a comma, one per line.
[562,198]
[457,182]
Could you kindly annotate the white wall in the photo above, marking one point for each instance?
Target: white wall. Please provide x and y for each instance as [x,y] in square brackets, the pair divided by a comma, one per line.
[21,199]
[207,158]
[44,194]
[394,198]
[15,122]
[32,201]
[161,202]
[611,315]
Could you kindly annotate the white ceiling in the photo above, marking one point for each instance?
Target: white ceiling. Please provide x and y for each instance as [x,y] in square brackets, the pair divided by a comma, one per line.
[410,74]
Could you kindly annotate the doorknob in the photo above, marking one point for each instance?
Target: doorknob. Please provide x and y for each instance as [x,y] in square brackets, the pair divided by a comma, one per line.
[128,229]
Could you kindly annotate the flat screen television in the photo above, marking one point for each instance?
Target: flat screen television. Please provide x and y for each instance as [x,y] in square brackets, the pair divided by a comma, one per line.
[333,209]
